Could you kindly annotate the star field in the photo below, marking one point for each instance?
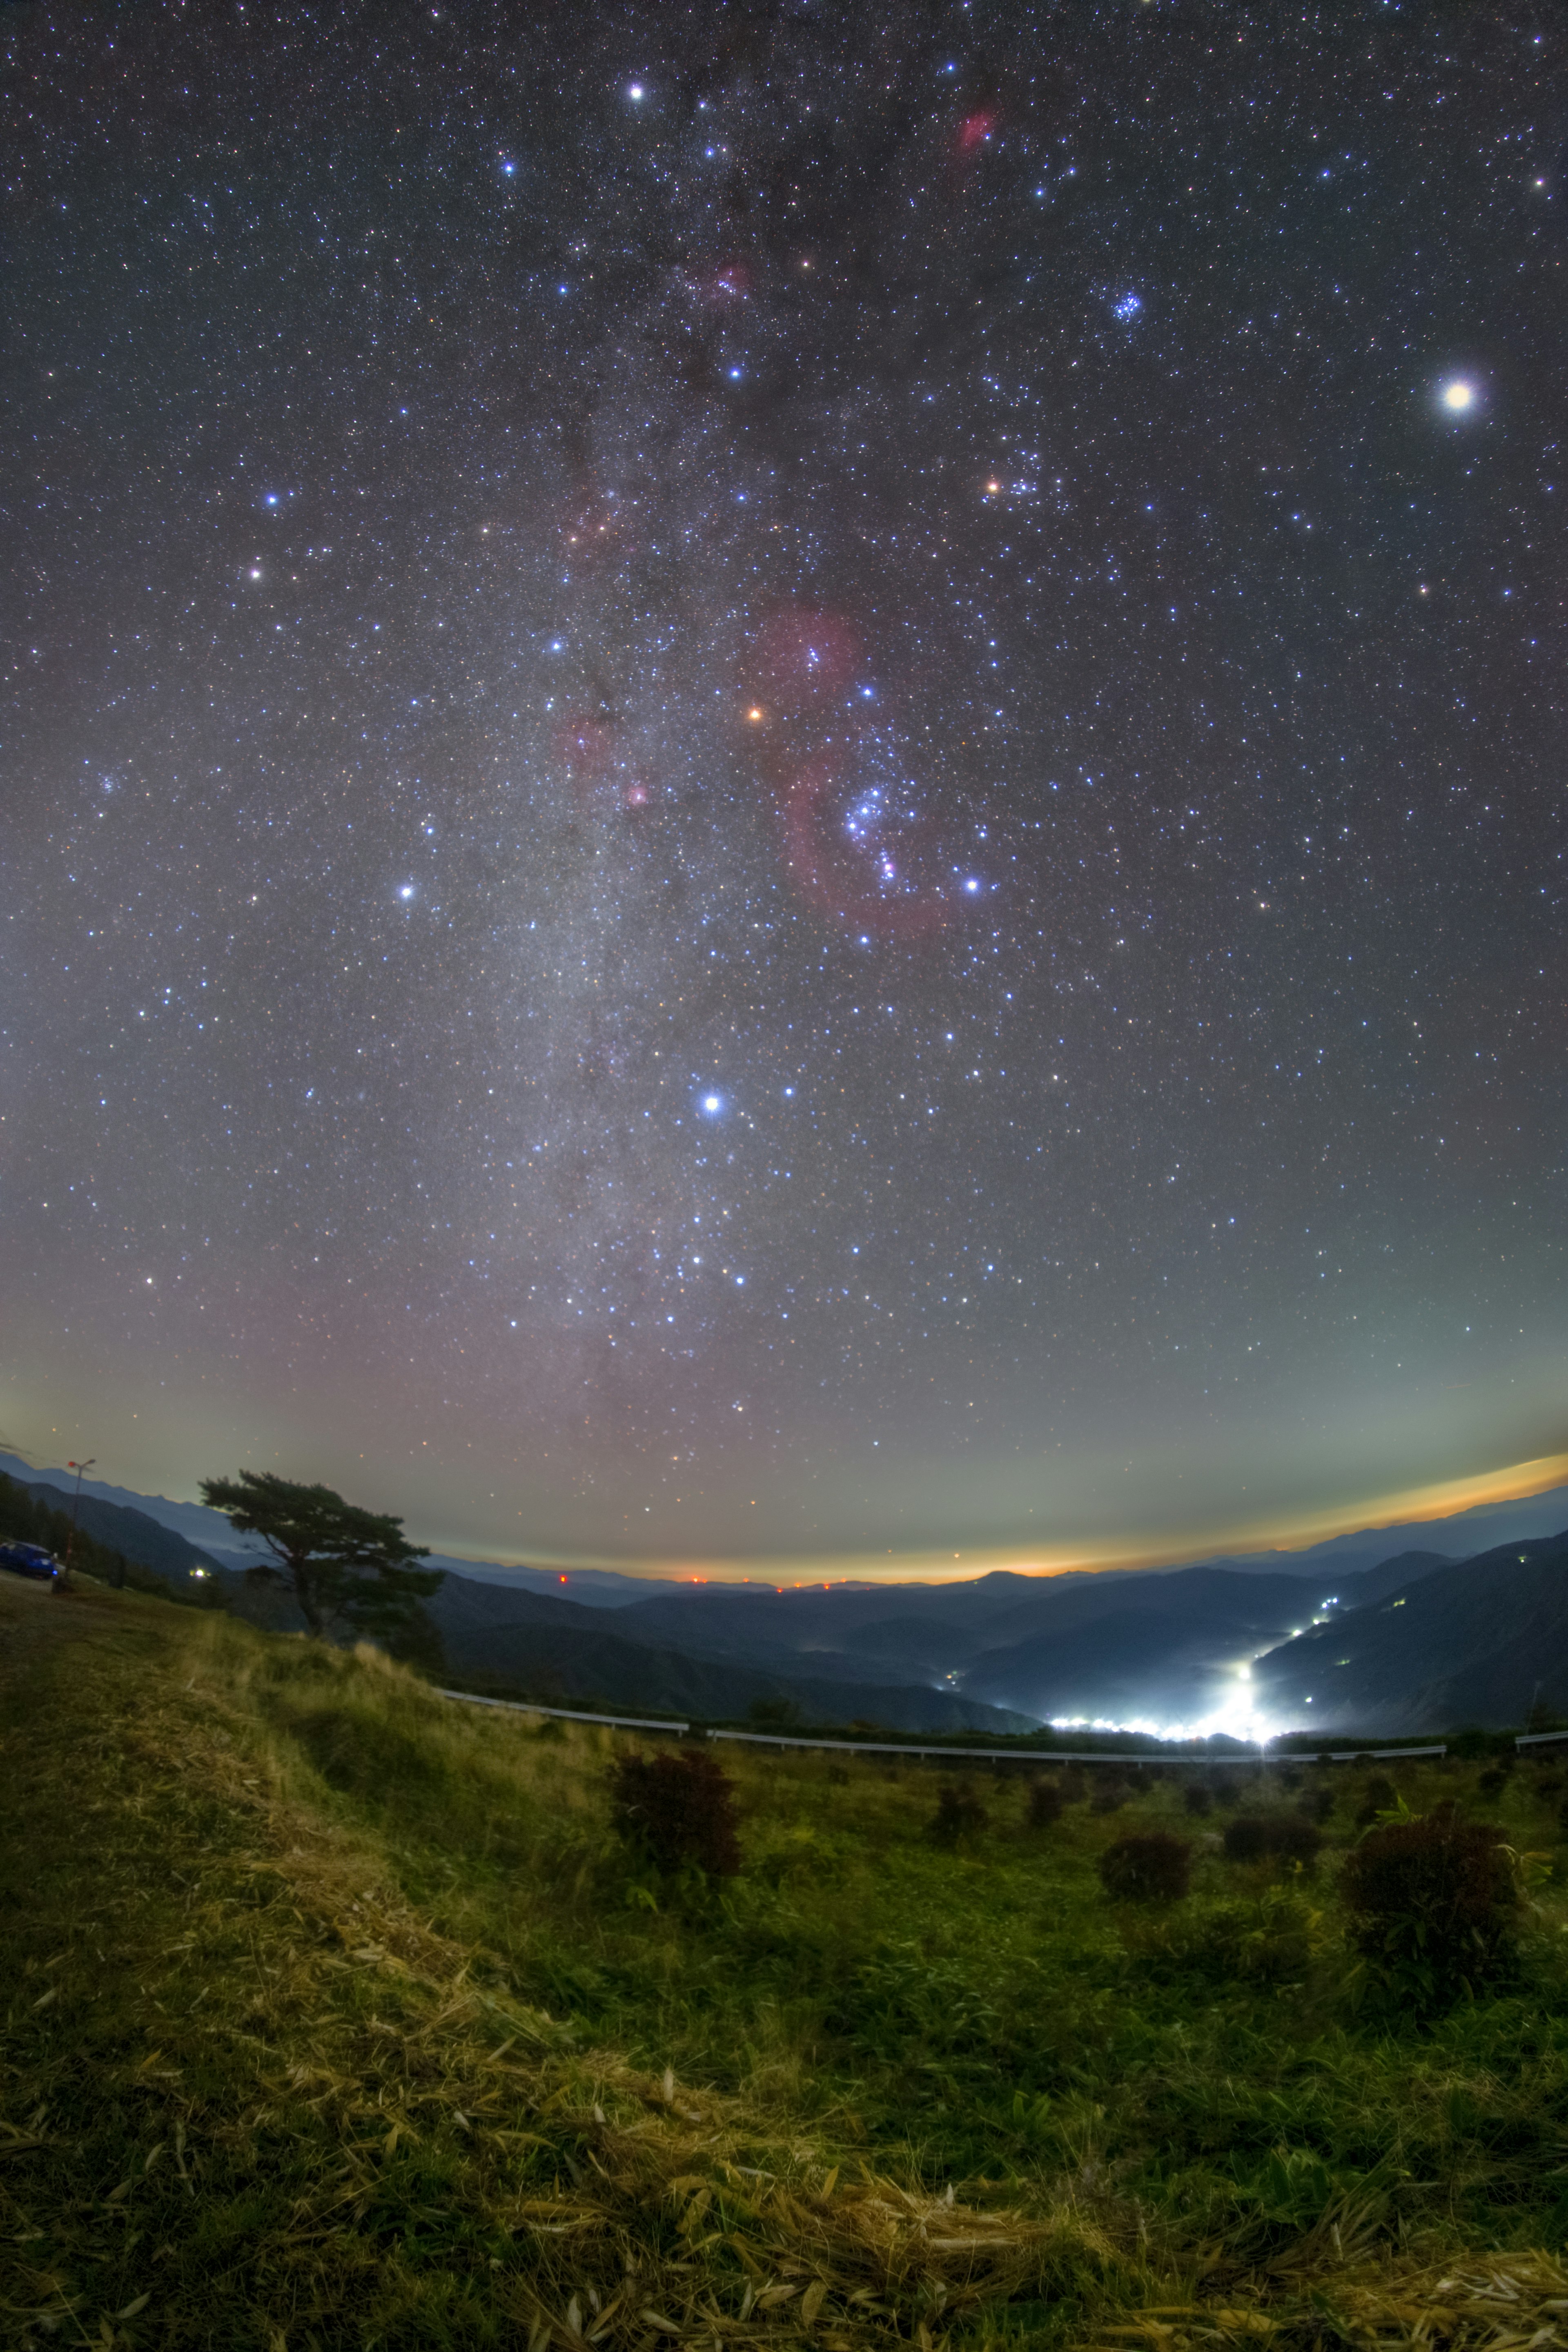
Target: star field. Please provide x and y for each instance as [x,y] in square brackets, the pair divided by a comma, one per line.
[781,781]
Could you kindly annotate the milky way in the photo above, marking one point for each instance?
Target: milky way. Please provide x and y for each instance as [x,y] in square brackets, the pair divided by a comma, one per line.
[785,779]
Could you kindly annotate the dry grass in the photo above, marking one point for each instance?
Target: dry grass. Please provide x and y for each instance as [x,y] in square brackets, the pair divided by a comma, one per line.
[1484,2305]
[312,2101]
[254,2092]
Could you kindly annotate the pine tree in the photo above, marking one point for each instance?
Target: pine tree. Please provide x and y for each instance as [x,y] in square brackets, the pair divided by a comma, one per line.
[349,1569]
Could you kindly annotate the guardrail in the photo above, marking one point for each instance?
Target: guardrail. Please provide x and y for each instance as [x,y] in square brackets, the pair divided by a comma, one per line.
[1071,1755]
[568,1713]
[981,1755]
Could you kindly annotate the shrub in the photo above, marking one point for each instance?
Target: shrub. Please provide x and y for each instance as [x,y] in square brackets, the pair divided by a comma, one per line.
[1110,1793]
[1285,1837]
[1151,1866]
[678,1810]
[1316,1805]
[1431,1904]
[1044,1804]
[1197,1799]
[1224,1792]
[1379,1796]
[959,1814]
[1493,1782]
[774,1714]
[1469,1745]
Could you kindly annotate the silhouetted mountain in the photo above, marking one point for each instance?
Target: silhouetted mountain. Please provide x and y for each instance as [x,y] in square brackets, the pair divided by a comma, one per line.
[1474,1641]
[139,1537]
[503,1642]
[1150,1645]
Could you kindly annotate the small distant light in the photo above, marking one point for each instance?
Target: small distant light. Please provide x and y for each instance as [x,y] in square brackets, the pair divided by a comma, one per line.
[754,715]
[271,497]
[509,169]
[254,572]
[406,891]
[635,90]
[712,1105]
[734,375]
[1458,396]
[992,489]
[972,884]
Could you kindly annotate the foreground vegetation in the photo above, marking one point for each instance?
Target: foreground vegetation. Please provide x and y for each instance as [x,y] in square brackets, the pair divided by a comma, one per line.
[337,2014]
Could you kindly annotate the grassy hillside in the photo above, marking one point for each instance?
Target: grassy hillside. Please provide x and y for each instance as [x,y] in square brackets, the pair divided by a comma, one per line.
[335,2016]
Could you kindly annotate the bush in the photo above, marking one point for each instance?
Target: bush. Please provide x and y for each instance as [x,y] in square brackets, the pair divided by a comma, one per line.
[1110,1793]
[1431,1904]
[1151,1866]
[678,1810]
[1493,1782]
[1316,1805]
[1379,1796]
[959,1814]
[1224,1792]
[1197,1799]
[774,1715]
[1284,1837]
[1044,1804]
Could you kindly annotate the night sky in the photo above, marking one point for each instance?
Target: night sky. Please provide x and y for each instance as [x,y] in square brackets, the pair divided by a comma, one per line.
[786,783]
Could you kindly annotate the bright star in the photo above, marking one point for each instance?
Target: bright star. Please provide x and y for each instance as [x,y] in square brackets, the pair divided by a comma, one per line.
[635,90]
[406,891]
[712,1105]
[1458,396]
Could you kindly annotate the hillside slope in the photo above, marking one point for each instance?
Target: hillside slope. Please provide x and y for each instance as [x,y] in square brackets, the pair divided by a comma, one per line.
[337,2015]
[506,1643]
[1476,1642]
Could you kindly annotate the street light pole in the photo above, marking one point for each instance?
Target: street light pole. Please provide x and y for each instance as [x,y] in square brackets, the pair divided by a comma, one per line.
[81,1469]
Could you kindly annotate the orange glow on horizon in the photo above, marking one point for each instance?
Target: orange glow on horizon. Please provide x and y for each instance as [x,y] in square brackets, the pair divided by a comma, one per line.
[1283,1532]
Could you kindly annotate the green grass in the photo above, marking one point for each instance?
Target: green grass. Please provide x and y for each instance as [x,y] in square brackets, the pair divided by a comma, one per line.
[334,2015]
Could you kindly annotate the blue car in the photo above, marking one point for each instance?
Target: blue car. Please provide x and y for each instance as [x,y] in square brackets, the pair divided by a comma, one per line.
[31,1560]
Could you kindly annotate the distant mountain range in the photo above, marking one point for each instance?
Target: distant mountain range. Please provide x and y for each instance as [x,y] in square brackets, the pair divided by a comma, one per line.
[1424,1637]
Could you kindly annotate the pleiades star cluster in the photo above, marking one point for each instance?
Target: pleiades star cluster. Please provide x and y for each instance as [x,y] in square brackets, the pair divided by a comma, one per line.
[785,779]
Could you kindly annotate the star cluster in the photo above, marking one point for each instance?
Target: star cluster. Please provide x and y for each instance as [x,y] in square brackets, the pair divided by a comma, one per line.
[786,781]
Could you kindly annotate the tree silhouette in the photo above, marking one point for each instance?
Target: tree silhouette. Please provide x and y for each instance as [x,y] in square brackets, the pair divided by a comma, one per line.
[347,1568]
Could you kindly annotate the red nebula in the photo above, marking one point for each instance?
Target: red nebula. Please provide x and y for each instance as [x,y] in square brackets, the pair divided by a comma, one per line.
[975,128]
[804,656]
[635,794]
